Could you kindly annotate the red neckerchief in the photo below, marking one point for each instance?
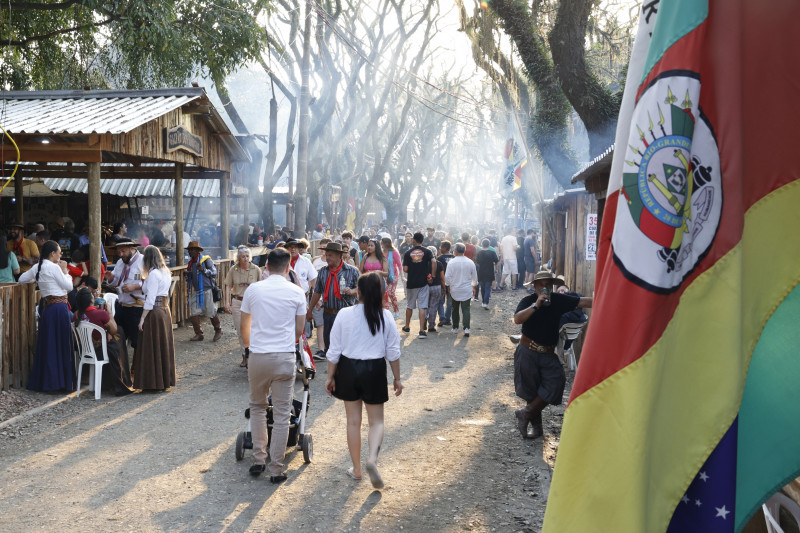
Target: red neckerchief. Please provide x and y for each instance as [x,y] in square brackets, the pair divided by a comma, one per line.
[336,292]
[127,268]
[18,247]
[293,260]
[191,262]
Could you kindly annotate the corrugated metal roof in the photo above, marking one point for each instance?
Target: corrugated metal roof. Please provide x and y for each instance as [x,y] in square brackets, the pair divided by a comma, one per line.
[84,112]
[603,160]
[132,188]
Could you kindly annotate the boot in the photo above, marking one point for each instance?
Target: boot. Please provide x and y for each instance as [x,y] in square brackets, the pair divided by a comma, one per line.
[217,328]
[198,331]
[531,413]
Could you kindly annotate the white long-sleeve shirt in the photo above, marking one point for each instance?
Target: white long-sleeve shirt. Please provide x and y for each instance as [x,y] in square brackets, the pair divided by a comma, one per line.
[52,281]
[156,284]
[461,276]
[351,337]
[127,273]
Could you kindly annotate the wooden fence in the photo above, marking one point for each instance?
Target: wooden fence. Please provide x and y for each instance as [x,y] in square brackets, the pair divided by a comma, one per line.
[17,333]
[18,323]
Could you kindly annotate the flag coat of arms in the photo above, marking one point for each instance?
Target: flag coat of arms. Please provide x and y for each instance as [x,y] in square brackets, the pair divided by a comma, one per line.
[684,412]
[515,158]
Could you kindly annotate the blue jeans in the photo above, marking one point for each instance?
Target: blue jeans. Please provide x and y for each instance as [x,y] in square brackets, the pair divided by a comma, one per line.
[445,309]
[486,288]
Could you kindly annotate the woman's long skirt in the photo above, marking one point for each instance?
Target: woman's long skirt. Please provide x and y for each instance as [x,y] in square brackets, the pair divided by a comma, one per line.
[53,363]
[154,358]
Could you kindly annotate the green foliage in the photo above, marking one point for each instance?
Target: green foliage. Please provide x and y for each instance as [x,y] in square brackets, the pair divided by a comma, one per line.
[126,43]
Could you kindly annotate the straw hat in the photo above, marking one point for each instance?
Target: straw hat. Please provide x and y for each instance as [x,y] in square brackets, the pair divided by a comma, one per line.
[546,275]
[126,242]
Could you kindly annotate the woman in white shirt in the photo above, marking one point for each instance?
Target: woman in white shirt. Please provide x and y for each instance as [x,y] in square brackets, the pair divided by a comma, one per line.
[53,366]
[154,358]
[363,338]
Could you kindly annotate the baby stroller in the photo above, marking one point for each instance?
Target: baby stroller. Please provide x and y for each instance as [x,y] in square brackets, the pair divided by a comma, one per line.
[297,418]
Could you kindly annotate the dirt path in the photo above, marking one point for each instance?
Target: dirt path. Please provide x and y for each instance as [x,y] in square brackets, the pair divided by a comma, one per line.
[451,459]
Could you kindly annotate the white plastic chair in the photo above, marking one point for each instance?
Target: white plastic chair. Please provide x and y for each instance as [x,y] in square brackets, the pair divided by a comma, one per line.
[86,355]
[569,332]
[111,302]
[772,510]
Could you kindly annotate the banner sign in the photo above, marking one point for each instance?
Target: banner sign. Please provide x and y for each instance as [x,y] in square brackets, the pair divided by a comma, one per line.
[179,138]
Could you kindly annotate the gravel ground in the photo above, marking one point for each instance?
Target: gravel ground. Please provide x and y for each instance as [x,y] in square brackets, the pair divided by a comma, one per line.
[451,458]
[14,402]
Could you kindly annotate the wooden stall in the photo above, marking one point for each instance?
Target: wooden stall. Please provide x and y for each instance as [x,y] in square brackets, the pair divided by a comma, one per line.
[92,136]
[567,238]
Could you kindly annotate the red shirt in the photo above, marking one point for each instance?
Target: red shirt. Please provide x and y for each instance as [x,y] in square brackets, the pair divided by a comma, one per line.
[98,317]
[471,252]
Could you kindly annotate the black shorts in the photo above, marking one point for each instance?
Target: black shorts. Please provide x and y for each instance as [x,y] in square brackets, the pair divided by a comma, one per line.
[538,374]
[358,379]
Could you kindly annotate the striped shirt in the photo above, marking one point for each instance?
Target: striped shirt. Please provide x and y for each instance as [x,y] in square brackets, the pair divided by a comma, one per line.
[350,275]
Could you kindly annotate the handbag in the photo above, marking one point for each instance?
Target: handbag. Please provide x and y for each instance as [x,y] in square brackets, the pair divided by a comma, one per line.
[216,292]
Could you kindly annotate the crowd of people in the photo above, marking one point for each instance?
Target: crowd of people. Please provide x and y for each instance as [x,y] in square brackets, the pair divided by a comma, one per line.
[345,296]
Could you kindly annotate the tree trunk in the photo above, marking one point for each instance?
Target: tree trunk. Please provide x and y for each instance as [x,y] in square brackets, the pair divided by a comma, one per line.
[303,126]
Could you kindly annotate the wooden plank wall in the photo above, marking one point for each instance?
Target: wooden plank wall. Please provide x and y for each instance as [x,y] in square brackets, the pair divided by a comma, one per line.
[17,333]
[567,246]
[148,141]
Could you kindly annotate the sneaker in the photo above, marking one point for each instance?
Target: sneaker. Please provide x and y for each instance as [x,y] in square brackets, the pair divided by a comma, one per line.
[320,355]
[485,306]
[454,331]
[497,290]
[445,323]
[466,332]
[423,335]
[432,330]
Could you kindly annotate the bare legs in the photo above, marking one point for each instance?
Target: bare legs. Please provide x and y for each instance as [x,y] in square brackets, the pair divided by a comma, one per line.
[374,436]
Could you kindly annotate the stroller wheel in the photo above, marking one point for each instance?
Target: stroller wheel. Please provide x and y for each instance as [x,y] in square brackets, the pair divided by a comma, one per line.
[240,446]
[308,448]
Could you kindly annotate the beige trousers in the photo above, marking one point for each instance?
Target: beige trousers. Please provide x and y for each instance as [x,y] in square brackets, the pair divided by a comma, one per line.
[271,372]
[236,311]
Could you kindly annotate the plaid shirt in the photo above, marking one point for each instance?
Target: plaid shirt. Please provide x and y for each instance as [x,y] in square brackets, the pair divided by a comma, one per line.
[350,275]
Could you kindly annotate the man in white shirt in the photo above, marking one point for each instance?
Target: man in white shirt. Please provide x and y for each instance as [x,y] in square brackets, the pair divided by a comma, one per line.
[174,237]
[300,264]
[127,277]
[508,255]
[273,317]
[461,277]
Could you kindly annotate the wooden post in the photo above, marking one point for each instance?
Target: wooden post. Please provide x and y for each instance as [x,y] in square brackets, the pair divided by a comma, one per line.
[178,201]
[18,190]
[95,230]
[224,213]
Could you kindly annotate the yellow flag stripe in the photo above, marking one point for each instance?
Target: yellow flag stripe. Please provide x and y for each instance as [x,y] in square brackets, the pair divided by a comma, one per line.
[632,444]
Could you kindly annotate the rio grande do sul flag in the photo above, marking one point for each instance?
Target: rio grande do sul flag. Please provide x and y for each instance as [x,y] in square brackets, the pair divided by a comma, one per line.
[685,411]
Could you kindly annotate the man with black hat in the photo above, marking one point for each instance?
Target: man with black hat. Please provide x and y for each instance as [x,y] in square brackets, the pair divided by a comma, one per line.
[539,377]
[336,285]
[201,275]
[431,240]
[127,278]
[305,271]
[25,249]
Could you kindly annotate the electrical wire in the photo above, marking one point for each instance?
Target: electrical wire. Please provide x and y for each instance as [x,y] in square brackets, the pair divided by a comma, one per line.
[16,165]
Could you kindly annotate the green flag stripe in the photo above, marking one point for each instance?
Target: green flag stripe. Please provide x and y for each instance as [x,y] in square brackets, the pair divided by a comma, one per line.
[676,18]
[769,433]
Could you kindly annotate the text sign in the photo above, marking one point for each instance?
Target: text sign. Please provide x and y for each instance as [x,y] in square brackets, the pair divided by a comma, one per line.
[591,237]
[145,209]
[179,138]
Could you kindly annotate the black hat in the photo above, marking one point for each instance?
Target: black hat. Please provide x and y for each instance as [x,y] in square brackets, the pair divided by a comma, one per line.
[363,238]
[294,242]
[17,225]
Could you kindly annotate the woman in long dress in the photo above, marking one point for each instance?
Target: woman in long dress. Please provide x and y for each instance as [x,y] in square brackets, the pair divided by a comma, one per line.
[363,338]
[154,358]
[53,365]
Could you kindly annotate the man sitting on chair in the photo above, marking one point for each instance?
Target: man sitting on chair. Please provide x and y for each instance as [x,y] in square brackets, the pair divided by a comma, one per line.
[576,316]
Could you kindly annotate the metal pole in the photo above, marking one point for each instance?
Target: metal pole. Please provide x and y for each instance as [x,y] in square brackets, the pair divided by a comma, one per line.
[178,201]
[225,213]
